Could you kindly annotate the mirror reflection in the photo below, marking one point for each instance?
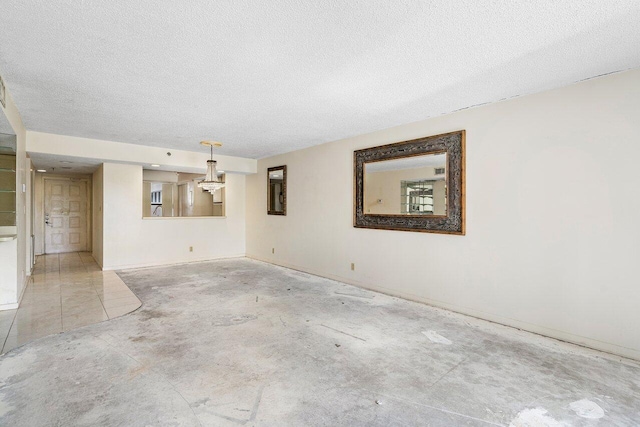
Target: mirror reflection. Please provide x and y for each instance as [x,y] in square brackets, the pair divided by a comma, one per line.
[409,186]
[277,190]
[175,194]
[7,174]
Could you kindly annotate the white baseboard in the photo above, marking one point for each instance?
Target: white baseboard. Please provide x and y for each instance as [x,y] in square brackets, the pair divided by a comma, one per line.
[11,306]
[607,347]
[97,262]
[164,264]
[27,278]
[14,305]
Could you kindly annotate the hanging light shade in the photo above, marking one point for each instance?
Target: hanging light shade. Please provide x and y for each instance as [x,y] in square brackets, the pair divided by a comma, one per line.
[211,183]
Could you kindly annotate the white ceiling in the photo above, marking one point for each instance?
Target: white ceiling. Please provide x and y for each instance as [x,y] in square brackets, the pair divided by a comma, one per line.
[267,77]
[64,164]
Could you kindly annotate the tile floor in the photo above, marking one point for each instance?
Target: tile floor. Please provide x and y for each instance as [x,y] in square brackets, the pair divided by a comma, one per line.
[66,291]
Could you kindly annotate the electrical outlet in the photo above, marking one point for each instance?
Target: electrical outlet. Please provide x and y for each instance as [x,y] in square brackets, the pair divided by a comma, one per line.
[190,248]
[353,266]
[273,250]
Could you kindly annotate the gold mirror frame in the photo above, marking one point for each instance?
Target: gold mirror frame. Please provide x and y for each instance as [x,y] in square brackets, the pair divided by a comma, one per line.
[453,144]
[282,196]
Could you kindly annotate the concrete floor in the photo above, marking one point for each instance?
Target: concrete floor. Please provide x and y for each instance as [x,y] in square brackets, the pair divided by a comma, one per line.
[239,342]
[65,292]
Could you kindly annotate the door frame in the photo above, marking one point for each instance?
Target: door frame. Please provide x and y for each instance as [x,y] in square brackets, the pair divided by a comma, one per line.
[88,182]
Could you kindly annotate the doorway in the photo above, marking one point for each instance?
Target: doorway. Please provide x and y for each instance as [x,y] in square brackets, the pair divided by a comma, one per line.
[66,215]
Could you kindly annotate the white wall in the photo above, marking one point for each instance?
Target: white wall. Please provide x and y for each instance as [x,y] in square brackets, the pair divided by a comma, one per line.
[97,234]
[131,241]
[28,199]
[38,223]
[553,235]
[13,255]
[118,152]
[160,176]
[8,274]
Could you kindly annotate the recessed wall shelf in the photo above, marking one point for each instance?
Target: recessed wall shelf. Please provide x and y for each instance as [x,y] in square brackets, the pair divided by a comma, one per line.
[8,190]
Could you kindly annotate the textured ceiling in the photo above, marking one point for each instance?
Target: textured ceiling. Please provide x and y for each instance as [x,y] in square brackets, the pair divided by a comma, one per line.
[266,77]
[64,164]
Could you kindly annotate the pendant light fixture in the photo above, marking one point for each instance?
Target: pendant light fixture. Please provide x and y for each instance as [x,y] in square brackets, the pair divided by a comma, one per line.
[211,183]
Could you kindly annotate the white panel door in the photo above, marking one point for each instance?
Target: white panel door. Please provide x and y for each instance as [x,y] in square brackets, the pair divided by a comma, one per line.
[65,213]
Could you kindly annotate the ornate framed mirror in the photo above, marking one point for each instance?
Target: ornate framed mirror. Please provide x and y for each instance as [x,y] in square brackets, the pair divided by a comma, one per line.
[277,190]
[416,185]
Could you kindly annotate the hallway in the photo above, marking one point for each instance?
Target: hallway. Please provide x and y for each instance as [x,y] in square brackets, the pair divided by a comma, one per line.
[66,291]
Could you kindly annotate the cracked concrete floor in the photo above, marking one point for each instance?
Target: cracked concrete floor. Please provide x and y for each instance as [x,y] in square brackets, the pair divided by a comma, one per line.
[240,342]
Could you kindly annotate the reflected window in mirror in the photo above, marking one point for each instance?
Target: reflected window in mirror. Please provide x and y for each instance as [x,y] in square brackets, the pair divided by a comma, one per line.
[415,185]
[277,190]
[176,194]
[412,186]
